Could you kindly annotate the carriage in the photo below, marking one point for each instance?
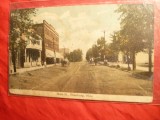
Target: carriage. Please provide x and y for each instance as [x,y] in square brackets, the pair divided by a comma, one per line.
[65,62]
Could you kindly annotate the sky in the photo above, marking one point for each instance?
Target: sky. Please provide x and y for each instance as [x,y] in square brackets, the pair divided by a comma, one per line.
[80,26]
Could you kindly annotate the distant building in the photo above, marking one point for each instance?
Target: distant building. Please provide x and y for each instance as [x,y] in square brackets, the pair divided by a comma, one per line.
[50,43]
[141,58]
[64,51]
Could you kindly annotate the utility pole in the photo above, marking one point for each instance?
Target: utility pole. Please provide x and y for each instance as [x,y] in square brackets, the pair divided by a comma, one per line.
[64,51]
[104,34]
[54,51]
[104,45]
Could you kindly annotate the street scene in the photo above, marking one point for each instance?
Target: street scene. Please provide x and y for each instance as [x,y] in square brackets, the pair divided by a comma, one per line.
[80,77]
[91,49]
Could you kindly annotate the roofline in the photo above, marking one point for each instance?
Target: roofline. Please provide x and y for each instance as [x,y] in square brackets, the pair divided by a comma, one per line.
[51,27]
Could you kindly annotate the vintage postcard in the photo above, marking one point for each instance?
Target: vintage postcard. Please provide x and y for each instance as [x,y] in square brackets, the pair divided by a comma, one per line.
[89,52]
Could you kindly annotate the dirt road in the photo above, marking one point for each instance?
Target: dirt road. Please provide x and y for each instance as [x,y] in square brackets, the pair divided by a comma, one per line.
[82,77]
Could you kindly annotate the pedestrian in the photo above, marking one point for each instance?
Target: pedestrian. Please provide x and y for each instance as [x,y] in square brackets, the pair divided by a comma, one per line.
[105,62]
[95,61]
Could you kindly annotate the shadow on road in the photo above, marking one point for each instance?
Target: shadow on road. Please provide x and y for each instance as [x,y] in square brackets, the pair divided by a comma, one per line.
[142,75]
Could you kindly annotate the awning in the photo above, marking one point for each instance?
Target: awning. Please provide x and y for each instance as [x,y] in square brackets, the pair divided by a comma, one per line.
[58,55]
[52,54]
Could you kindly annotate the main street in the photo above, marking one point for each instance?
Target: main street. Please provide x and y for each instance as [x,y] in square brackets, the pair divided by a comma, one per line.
[81,77]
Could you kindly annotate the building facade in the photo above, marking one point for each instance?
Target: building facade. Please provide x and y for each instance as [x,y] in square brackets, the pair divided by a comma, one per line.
[33,52]
[50,43]
[39,48]
[28,54]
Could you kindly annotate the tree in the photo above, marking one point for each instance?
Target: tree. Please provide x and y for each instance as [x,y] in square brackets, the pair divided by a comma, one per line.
[148,33]
[120,43]
[101,43]
[89,54]
[75,56]
[136,27]
[114,47]
[20,23]
[95,51]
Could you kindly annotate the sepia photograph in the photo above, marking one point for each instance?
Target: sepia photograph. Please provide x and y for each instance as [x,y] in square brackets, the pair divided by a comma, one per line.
[88,52]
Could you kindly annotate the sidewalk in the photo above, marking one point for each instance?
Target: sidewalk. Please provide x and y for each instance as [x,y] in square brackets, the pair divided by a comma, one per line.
[22,70]
[126,66]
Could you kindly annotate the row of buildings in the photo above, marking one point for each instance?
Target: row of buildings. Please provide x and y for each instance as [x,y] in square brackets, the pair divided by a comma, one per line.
[40,50]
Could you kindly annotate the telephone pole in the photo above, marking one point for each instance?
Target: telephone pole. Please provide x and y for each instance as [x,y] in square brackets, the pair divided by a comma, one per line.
[104,45]
[104,34]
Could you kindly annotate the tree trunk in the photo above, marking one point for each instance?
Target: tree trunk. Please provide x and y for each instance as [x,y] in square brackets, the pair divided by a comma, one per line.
[128,61]
[150,60]
[14,60]
[22,57]
[134,60]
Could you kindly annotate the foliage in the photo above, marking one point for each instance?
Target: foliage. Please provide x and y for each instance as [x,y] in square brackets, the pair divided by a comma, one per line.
[92,52]
[102,51]
[136,32]
[101,43]
[89,54]
[75,55]
[95,51]
[114,47]
[20,23]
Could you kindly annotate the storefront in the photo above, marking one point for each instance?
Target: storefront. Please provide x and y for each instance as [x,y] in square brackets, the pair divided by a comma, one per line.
[33,52]
[53,57]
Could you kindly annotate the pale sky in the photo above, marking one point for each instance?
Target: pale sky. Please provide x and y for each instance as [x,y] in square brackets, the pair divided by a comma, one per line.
[80,26]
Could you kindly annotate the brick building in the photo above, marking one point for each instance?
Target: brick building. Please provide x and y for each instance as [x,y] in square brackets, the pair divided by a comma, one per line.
[50,43]
[42,47]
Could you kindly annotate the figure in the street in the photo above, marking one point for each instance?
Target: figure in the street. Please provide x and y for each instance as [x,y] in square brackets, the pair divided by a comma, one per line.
[65,62]
[91,60]
[95,61]
[105,62]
